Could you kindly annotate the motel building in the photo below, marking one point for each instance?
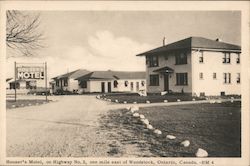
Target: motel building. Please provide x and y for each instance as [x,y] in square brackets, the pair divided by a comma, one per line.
[194,65]
[101,81]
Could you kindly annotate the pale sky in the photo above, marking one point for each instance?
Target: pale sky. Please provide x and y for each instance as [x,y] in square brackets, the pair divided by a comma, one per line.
[102,40]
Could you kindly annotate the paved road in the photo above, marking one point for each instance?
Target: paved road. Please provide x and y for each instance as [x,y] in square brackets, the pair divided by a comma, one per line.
[68,127]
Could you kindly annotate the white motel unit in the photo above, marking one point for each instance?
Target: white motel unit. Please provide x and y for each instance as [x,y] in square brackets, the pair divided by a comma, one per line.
[102,82]
[194,65]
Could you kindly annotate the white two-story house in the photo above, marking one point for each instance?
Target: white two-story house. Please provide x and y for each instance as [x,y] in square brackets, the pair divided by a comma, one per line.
[194,65]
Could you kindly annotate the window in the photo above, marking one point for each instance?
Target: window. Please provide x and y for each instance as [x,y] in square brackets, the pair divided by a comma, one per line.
[214,76]
[238,58]
[227,57]
[238,78]
[153,61]
[201,76]
[142,83]
[154,80]
[201,58]
[115,84]
[181,78]
[65,82]
[83,84]
[57,82]
[181,58]
[126,83]
[227,78]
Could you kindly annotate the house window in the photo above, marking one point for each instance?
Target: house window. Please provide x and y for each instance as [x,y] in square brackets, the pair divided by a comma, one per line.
[181,78]
[238,59]
[238,78]
[65,82]
[227,78]
[57,82]
[83,84]
[153,61]
[142,83]
[214,76]
[201,58]
[115,84]
[227,57]
[201,76]
[154,80]
[181,58]
[126,83]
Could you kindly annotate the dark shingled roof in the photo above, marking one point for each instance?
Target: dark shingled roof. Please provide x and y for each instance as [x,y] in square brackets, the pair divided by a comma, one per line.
[74,74]
[111,75]
[194,42]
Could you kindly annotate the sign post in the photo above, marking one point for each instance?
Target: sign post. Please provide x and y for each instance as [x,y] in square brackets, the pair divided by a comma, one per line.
[46,81]
[15,79]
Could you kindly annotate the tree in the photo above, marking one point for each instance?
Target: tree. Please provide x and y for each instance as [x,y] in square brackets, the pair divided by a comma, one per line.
[22,32]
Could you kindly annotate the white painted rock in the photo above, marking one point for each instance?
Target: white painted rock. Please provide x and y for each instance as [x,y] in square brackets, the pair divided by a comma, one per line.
[105,99]
[135,102]
[146,122]
[148,102]
[125,102]
[109,100]
[22,105]
[170,137]
[142,116]
[98,97]
[230,113]
[157,131]
[185,143]
[164,93]
[212,101]
[128,108]
[232,98]
[136,115]
[150,127]
[201,153]
[219,101]
[116,101]
[29,104]
[178,100]
[232,101]
[193,99]
[13,106]
[134,108]
[165,101]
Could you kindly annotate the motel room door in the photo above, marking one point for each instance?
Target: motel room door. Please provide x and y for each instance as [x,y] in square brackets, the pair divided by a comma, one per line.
[166,82]
[109,87]
[103,87]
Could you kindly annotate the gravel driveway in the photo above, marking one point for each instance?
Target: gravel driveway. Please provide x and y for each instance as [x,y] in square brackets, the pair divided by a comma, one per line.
[67,127]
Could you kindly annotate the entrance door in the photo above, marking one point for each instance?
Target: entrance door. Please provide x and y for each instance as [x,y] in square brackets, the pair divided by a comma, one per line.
[109,87]
[137,86]
[132,86]
[103,87]
[166,82]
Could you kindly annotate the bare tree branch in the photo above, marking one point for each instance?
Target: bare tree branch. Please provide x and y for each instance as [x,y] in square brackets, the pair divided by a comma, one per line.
[22,32]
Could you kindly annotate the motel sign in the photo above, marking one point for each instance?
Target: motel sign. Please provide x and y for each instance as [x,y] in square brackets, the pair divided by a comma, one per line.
[27,72]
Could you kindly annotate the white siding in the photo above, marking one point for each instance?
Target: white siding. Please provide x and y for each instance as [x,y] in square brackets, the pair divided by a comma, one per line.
[213,64]
[95,86]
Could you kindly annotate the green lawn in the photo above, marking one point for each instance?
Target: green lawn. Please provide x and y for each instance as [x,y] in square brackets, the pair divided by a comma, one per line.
[23,103]
[213,127]
[130,98]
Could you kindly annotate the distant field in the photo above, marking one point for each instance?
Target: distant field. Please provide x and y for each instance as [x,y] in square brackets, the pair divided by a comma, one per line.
[23,103]
[213,127]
